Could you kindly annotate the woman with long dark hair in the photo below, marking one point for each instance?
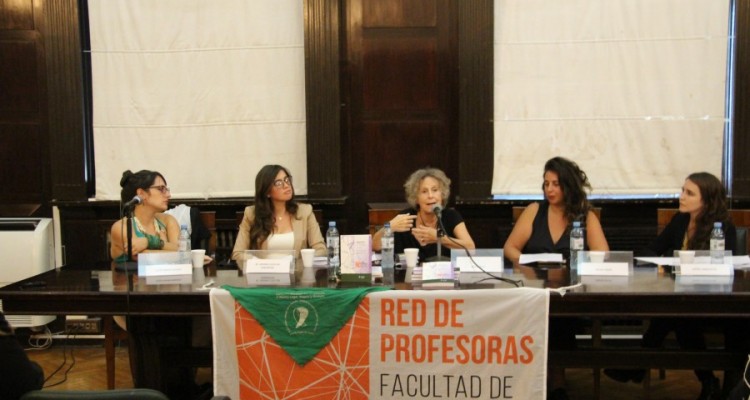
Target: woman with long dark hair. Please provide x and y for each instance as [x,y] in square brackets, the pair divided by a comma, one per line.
[276,221]
[703,201]
[545,227]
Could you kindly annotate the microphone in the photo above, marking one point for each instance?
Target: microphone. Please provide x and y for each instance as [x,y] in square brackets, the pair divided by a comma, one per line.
[437,210]
[131,203]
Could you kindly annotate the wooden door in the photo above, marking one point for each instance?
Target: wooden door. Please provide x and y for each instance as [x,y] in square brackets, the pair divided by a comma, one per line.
[402,108]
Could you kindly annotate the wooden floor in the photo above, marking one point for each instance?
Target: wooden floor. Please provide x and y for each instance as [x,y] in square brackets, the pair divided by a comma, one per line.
[89,373]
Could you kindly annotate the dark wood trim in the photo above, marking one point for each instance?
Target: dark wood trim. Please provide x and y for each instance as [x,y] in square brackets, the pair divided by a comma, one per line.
[65,99]
[322,97]
[741,145]
[475,73]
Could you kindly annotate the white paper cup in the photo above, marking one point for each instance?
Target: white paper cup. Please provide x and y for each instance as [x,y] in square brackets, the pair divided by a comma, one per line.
[412,255]
[596,256]
[687,257]
[197,255]
[308,255]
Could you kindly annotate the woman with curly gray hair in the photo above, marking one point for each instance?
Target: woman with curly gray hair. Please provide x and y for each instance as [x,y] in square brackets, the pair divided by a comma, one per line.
[417,226]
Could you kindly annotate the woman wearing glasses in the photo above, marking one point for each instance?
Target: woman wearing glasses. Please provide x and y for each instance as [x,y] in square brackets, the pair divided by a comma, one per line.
[276,221]
[152,229]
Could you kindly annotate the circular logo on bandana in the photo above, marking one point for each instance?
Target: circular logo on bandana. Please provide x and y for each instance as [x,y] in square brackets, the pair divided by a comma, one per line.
[301,318]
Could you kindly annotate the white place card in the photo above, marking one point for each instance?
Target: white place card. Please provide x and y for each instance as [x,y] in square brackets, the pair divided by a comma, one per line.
[604,268]
[704,269]
[437,271]
[280,265]
[169,280]
[489,264]
[164,264]
[269,279]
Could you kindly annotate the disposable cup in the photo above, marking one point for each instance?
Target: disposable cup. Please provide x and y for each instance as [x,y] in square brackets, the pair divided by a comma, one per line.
[197,256]
[596,256]
[687,257]
[308,255]
[412,256]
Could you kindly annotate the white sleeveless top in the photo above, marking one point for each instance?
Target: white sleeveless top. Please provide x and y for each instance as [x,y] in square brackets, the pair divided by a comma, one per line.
[281,241]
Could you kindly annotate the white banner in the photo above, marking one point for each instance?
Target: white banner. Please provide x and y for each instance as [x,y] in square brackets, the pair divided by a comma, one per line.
[488,344]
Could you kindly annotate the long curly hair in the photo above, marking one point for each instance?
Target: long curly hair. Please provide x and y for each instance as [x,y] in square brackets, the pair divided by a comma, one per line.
[573,182]
[263,222]
[714,209]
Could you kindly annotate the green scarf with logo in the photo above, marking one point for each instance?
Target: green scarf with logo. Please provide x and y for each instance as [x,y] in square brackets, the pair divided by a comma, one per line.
[301,321]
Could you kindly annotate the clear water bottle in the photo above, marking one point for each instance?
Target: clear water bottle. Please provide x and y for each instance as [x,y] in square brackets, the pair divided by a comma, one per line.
[333,243]
[184,244]
[717,244]
[386,253]
[576,243]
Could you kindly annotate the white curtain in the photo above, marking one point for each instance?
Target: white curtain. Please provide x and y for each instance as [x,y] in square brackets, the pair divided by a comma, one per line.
[204,91]
[632,90]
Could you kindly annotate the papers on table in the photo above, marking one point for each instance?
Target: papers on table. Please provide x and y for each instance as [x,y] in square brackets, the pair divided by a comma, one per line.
[737,261]
[540,257]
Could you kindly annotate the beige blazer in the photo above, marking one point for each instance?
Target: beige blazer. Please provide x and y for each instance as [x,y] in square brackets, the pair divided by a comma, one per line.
[304,225]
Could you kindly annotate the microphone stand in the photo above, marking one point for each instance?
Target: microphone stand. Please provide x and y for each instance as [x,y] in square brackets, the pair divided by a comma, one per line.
[130,265]
[440,234]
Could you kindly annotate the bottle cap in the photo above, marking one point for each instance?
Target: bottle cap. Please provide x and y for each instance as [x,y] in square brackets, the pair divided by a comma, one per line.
[576,224]
[331,223]
[717,224]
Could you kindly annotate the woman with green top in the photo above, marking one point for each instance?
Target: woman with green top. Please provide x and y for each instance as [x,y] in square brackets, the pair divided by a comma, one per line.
[152,229]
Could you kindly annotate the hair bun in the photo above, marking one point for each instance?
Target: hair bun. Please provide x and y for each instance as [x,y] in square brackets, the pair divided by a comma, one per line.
[125,178]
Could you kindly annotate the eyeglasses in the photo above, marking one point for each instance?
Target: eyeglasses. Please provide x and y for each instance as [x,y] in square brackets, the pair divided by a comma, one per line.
[162,188]
[279,182]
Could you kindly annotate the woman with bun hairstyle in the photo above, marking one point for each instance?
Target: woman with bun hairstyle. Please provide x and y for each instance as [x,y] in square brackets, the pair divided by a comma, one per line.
[152,229]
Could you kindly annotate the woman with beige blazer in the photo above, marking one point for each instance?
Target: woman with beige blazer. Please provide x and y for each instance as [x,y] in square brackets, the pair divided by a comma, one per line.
[276,221]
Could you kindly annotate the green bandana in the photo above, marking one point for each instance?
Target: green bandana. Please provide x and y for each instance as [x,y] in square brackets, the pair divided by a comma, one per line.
[301,321]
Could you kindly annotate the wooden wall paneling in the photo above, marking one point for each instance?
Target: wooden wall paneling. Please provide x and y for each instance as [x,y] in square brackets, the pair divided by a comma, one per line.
[65,94]
[23,107]
[322,98]
[741,145]
[17,15]
[402,112]
[475,94]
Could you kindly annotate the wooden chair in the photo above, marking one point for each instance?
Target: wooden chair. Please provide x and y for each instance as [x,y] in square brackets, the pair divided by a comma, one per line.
[740,219]
[113,333]
[380,213]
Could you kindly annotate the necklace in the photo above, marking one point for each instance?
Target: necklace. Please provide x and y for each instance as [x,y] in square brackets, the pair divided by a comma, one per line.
[434,224]
[279,218]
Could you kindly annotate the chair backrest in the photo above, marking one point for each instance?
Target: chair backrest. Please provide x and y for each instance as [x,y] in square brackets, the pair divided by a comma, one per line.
[740,219]
[517,210]
[380,213]
[208,218]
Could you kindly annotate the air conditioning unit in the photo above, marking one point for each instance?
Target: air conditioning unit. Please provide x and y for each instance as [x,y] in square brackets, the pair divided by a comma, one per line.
[27,248]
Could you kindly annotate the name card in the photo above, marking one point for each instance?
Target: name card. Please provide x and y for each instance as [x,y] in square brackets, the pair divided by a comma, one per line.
[706,269]
[164,264]
[169,280]
[604,268]
[280,265]
[437,271]
[269,279]
[489,264]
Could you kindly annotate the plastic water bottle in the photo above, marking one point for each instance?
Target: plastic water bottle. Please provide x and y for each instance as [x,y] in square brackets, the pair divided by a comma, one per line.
[184,244]
[332,242]
[576,243]
[386,253]
[717,244]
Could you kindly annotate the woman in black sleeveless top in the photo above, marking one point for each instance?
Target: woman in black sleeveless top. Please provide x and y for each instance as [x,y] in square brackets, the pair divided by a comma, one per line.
[545,227]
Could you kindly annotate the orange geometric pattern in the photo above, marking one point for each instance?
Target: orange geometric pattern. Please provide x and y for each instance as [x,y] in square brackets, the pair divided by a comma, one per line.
[340,371]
